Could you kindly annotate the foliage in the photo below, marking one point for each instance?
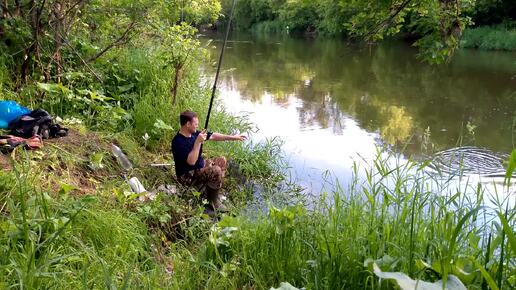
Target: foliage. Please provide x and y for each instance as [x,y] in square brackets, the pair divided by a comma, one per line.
[489,12]
[68,218]
[402,229]
[118,65]
[436,24]
[52,241]
[126,69]
[490,38]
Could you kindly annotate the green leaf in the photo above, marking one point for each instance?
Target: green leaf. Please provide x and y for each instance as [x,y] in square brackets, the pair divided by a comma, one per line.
[96,160]
[125,88]
[66,188]
[459,228]
[159,124]
[49,88]
[511,167]
[196,193]
[485,274]
[509,231]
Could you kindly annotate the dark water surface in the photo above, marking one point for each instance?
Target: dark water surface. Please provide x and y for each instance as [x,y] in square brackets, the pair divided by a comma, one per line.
[334,103]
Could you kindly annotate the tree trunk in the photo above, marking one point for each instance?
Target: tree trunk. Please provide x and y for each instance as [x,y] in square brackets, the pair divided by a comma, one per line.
[177,80]
[59,31]
[34,49]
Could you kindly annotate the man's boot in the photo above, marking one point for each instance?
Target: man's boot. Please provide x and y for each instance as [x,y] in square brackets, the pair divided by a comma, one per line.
[214,196]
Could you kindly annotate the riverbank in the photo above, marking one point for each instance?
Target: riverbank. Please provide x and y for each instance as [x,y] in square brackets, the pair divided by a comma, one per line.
[499,37]
[69,219]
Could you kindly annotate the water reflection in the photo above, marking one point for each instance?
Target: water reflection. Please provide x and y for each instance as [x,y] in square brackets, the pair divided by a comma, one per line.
[383,88]
[333,103]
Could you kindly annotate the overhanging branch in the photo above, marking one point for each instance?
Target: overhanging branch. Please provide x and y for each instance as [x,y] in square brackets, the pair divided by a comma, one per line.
[119,41]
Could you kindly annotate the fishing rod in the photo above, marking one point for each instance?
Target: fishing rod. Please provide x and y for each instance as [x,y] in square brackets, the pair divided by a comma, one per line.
[219,65]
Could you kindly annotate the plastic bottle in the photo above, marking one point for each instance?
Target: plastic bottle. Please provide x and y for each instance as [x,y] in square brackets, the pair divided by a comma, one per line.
[121,158]
[136,185]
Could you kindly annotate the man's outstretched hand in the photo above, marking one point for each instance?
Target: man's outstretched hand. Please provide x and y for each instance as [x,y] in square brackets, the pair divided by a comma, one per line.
[239,137]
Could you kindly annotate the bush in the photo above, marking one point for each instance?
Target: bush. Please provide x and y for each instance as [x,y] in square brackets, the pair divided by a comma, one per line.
[490,38]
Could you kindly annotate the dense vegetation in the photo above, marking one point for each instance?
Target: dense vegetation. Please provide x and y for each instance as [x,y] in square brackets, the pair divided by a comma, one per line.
[121,71]
[437,26]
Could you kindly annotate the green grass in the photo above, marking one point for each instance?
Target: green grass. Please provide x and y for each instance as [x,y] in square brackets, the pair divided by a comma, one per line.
[405,228]
[61,240]
[489,38]
[68,218]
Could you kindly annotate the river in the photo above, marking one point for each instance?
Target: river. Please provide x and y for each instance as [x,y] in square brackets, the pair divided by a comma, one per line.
[333,104]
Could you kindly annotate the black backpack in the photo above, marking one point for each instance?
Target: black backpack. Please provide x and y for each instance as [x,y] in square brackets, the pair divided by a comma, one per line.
[38,122]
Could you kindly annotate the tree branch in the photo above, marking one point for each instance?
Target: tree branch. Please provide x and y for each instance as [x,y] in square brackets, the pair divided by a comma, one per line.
[73,6]
[119,41]
[387,22]
[84,62]
[4,8]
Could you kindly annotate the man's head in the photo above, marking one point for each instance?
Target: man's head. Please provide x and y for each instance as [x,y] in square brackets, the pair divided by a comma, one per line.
[189,121]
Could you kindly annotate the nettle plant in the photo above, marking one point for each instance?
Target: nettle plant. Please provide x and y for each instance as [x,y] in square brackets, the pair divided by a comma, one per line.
[92,105]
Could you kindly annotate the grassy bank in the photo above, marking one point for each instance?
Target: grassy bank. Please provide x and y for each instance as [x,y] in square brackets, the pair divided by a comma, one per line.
[69,219]
[404,228]
[499,37]
[56,234]
[67,215]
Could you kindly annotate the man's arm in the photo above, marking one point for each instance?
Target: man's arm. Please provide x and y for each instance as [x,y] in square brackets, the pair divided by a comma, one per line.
[194,154]
[223,137]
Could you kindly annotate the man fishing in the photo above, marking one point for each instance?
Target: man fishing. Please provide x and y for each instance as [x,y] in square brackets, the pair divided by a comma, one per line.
[191,168]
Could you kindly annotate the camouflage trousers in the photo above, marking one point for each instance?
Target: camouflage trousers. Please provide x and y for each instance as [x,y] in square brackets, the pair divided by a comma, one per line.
[209,179]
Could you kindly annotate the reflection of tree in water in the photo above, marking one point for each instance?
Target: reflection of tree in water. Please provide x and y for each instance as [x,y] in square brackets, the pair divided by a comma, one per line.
[262,67]
[318,109]
[384,89]
[398,127]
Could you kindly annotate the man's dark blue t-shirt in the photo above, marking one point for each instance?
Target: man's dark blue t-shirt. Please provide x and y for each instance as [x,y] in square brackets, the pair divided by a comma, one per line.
[181,147]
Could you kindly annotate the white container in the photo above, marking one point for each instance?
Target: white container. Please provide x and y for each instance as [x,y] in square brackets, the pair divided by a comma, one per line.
[136,185]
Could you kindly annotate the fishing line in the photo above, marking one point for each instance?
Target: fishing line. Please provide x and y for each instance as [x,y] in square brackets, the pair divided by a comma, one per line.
[219,65]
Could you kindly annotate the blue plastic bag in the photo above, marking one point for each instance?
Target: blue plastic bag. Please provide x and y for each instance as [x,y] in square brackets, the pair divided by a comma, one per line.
[10,111]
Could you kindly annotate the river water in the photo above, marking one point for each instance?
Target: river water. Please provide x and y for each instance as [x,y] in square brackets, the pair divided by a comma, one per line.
[334,104]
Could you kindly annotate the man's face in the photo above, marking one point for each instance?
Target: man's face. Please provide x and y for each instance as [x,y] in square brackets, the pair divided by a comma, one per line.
[193,125]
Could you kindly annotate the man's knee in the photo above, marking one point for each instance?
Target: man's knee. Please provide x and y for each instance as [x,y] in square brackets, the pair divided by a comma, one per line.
[215,177]
[216,170]
[221,162]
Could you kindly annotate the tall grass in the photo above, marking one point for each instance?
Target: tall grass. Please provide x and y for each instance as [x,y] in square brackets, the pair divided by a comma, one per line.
[490,38]
[59,241]
[392,218]
[54,238]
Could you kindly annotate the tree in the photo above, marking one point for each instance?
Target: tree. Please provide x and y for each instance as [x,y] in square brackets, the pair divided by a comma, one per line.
[37,33]
[437,23]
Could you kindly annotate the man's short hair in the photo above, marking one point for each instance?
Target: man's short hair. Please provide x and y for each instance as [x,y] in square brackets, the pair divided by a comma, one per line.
[186,116]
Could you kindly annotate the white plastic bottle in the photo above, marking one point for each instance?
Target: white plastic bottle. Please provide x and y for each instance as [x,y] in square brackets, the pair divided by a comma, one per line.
[121,158]
[136,185]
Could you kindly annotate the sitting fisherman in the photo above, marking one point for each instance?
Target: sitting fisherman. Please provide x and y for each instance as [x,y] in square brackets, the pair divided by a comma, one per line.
[191,168]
